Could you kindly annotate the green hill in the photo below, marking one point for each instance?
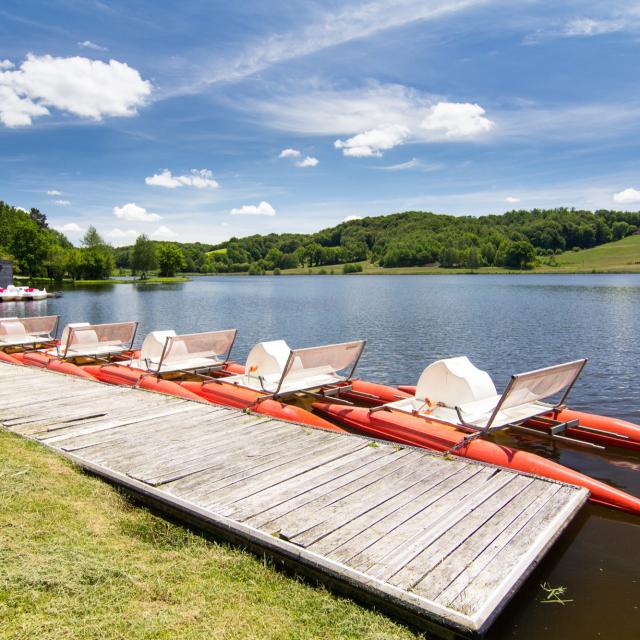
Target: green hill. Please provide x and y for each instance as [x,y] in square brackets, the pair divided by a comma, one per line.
[620,256]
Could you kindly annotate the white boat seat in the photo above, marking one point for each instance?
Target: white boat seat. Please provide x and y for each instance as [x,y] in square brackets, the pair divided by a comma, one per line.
[164,351]
[83,339]
[27,331]
[520,401]
[273,367]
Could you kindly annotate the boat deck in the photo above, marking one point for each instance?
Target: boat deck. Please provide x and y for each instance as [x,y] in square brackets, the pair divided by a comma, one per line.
[440,542]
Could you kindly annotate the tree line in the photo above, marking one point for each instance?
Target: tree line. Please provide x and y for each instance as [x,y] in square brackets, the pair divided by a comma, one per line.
[517,239]
[40,251]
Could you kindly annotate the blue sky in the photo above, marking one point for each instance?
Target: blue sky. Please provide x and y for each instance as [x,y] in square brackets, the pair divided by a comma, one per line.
[202,120]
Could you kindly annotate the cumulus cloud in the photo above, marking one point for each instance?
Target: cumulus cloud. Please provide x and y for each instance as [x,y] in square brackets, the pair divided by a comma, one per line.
[373,142]
[54,192]
[116,232]
[373,118]
[16,111]
[164,232]
[456,120]
[134,213]
[22,209]
[6,64]
[263,209]
[289,153]
[628,196]
[197,178]
[77,85]
[70,227]
[87,44]
[512,199]
[308,161]
[350,218]
[62,203]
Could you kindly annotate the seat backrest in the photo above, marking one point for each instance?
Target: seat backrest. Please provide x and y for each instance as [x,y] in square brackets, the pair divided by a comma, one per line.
[541,383]
[453,382]
[326,360]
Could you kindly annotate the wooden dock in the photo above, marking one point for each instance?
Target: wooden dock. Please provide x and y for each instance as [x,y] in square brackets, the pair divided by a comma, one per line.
[440,542]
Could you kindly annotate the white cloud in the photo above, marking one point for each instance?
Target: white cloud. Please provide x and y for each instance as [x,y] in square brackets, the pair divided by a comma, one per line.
[309,161]
[585,27]
[22,209]
[512,199]
[16,111]
[350,218]
[6,64]
[70,227]
[198,178]
[164,232]
[62,203]
[54,192]
[133,212]
[263,209]
[375,117]
[87,44]
[350,22]
[122,233]
[456,120]
[289,153]
[628,196]
[403,166]
[373,142]
[83,87]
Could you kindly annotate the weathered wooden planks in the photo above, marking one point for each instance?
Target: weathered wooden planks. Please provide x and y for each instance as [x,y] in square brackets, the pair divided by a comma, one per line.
[442,542]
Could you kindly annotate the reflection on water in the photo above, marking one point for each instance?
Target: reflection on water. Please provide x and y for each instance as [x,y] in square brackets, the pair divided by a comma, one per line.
[505,324]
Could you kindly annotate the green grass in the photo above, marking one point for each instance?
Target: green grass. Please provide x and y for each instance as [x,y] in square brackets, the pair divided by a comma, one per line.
[622,256]
[78,560]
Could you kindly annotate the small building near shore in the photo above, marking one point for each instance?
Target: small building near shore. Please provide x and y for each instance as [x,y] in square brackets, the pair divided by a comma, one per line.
[6,273]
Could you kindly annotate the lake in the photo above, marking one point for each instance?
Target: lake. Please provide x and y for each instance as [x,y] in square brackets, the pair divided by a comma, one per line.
[504,324]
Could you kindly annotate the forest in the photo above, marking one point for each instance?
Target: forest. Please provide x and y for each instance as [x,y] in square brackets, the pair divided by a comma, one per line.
[38,251]
[517,239]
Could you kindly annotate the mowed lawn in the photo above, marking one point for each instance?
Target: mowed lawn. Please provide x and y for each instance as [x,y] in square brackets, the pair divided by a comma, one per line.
[78,559]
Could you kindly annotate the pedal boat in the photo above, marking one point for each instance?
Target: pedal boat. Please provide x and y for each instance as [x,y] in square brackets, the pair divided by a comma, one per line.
[80,344]
[11,294]
[198,366]
[455,407]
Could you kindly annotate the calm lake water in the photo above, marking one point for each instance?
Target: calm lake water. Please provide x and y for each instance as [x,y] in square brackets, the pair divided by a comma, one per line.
[504,324]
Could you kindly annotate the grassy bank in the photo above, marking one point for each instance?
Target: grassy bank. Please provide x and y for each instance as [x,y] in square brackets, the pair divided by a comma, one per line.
[45,282]
[79,560]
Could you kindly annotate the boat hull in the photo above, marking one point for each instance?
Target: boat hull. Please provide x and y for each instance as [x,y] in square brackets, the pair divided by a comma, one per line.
[230,395]
[129,377]
[51,362]
[6,357]
[621,433]
[429,434]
